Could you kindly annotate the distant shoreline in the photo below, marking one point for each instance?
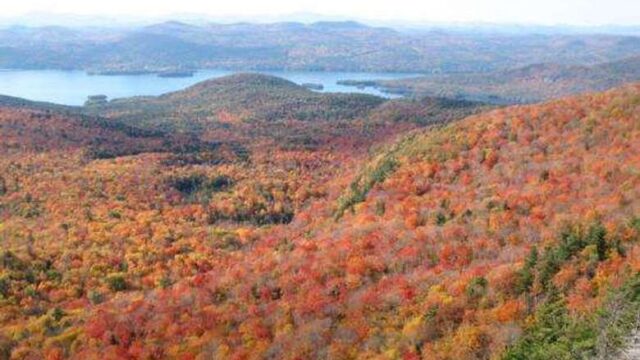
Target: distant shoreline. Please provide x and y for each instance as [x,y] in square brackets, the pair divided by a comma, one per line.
[162,74]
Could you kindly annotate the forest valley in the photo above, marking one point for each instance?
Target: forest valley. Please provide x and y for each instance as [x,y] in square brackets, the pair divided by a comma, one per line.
[249,218]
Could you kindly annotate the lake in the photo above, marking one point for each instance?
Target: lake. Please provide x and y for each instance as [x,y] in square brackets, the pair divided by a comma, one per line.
[73,87]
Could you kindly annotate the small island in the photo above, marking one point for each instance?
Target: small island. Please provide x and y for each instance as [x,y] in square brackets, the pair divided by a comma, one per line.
[360,84]
[313,86]
[118,72]
[169,73]
[176,74]
[96,100]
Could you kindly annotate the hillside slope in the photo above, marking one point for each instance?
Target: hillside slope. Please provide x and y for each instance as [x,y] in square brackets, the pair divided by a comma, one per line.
[512,234]
[19,103]
[92,208]
[28,127]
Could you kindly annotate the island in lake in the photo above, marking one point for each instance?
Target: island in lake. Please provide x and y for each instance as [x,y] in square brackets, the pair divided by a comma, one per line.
[176,74]
[93,100]
[313,86]
[159,73]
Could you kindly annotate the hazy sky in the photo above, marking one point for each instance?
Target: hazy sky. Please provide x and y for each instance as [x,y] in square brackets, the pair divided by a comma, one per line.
[577,12]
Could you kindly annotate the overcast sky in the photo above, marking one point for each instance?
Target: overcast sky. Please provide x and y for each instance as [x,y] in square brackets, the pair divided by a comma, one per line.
[548,12]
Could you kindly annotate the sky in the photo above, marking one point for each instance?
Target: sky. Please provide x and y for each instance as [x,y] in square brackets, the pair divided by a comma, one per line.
[544,12]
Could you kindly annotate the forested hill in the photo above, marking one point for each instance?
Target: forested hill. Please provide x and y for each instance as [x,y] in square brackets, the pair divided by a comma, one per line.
[249,108]
[328,46]
[240,97]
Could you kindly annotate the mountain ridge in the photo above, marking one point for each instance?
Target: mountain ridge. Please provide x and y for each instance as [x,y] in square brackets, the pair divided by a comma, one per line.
[330,46]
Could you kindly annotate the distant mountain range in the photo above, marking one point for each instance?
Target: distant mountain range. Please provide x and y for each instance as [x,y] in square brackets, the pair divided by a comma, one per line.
[43,19]
[321,46]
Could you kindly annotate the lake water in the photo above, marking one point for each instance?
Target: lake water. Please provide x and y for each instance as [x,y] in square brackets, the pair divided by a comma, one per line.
[73,87]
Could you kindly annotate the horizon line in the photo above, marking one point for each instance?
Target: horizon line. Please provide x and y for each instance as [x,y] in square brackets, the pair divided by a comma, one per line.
[194,18]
